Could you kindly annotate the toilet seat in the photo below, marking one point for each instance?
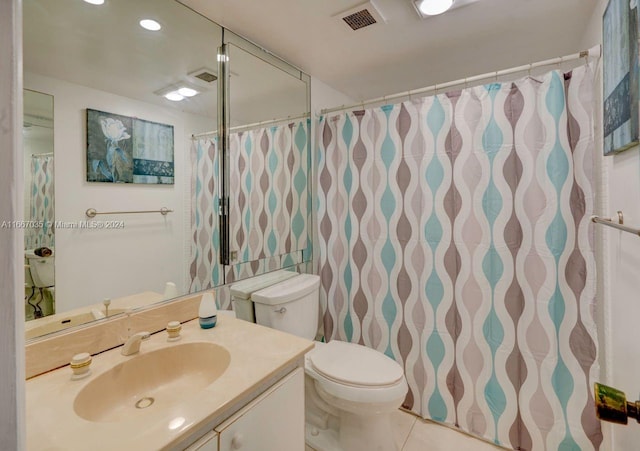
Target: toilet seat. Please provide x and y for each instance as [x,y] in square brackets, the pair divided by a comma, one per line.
[356,373]
[356,365]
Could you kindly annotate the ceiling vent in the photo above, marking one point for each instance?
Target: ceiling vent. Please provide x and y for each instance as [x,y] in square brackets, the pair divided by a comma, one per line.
[361,16]
[456,4]
[203,76]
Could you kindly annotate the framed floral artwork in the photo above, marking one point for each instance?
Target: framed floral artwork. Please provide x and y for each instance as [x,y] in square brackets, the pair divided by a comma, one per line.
[621,76]
[122,149]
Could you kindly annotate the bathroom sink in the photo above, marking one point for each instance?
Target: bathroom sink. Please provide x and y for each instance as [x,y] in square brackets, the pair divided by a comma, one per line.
[150,381]
[64,322]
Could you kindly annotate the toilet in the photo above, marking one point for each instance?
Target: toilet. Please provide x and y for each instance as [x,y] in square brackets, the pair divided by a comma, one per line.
[350,390]
[41,269]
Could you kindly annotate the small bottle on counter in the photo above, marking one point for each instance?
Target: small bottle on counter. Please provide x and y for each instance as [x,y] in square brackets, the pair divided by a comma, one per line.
[208,312]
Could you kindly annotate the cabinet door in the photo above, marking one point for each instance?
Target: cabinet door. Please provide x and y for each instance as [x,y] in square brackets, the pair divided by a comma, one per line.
[272,422]
[208,442]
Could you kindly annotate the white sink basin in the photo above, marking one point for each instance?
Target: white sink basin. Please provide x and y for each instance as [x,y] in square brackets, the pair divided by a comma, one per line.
[150,381]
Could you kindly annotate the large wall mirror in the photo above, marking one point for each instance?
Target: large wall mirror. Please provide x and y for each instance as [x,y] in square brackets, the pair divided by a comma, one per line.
[268,158]
[133,124]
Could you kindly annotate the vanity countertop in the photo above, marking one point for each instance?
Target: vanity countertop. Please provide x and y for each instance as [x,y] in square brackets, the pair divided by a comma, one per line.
[259,357]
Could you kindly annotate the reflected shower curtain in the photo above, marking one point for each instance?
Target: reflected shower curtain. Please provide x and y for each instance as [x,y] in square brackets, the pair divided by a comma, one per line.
[268,173]
[454,236]
[41,203]
[205,269]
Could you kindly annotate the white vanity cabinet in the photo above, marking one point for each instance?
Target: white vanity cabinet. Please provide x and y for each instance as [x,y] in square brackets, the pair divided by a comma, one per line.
[208,442]
[272,422]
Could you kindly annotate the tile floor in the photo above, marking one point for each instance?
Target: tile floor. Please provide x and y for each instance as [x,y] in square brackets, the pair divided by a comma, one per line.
[415,434]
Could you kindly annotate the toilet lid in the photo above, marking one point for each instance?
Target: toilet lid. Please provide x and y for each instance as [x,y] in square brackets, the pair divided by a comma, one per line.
[354,364]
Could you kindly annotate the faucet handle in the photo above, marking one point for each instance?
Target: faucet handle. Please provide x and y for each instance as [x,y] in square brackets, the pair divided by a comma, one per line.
[80,364]
[173,330]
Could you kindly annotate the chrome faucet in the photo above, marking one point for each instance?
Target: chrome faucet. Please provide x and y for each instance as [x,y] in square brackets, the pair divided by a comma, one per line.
[132,345]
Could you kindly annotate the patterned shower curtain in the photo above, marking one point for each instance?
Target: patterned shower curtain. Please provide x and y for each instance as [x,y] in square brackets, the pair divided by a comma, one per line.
[41,203]
[268,171]
[268,177]
[455,237]
[205,269]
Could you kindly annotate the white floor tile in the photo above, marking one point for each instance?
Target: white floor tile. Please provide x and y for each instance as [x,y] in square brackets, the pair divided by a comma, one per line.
[427,435]
[402,422]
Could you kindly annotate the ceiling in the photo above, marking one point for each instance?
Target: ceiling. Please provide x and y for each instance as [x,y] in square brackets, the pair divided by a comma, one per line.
[104,48]
[406,52]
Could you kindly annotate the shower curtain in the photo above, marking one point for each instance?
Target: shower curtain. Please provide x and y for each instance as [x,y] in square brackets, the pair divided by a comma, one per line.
[268,171]
[268,178]
[41,204]
[454,236]
[205,269]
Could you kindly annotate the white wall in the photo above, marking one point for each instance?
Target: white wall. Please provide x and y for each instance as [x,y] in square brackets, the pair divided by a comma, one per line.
[618,258]
[151,249]
[12,419]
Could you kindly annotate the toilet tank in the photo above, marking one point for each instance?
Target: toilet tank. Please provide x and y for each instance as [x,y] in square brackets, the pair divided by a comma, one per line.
[241,292]
[290,306]
[42,269]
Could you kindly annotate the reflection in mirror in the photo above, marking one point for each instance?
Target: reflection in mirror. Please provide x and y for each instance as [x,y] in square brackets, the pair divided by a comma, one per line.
[99,58]
[269,162]
[39,206]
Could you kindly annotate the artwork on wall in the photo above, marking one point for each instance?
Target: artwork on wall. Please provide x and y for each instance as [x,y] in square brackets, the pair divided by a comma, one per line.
[122,149]
[621,79]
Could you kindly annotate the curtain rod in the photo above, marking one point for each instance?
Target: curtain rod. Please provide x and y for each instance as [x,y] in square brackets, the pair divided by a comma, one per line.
[47,154]
[255,124]
[594,52]
[616,225]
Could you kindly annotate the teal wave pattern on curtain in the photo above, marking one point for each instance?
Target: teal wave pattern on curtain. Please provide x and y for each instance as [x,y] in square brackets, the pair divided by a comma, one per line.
[268,175]
[455,237]
[41,203]
[205,269]
[268,211]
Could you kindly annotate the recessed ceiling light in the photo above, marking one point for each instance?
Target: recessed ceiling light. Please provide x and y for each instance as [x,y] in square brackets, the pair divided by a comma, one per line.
[187,92]
[150,25]
[174,96]
[95,2]
[435,7]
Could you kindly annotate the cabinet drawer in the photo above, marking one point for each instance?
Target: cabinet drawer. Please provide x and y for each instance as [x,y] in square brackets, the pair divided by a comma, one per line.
[272,422]
[208,442]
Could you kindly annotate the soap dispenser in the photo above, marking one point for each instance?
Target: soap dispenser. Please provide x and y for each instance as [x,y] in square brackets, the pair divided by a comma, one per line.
[208,312]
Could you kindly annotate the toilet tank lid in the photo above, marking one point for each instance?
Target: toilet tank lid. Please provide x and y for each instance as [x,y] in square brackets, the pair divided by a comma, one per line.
[288,290]
[244,289]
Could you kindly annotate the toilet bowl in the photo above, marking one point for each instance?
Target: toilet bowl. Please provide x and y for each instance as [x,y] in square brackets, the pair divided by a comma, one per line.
[350,390]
